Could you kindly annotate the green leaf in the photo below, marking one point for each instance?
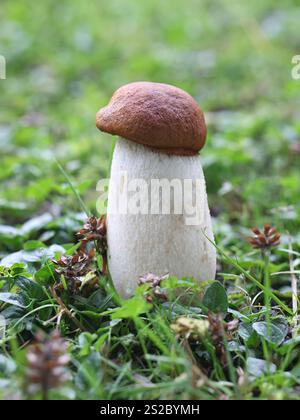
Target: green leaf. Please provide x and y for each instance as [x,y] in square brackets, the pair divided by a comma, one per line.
[33,245]
[215,298]
[12,299]
[10,238]
[85,342]
[101,341]
[288,345]
[38,255]
[247,333]
[7,231]
[36,224]
[7,365]
[30,289]
[272,333]
[45,274]
[132,308]
[238,315]
[175,283]
[259,367]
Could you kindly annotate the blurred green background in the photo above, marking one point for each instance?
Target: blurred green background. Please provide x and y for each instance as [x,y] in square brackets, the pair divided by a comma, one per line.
[64,60]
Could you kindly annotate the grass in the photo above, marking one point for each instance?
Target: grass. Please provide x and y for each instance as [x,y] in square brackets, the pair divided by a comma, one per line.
[64,60]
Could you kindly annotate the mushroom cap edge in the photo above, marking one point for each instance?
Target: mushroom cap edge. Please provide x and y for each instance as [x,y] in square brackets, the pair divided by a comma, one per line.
[160,116]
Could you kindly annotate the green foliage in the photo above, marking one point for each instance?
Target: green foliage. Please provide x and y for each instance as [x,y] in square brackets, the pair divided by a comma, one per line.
[215,298]
[131,308]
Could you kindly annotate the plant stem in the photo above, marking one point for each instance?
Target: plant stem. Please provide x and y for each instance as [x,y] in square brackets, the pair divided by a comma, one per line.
[231,368]
[294,288]
[267,291]
[267,297]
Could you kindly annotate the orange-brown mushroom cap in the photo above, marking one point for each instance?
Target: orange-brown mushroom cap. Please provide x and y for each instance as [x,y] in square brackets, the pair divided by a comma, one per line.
[156,115]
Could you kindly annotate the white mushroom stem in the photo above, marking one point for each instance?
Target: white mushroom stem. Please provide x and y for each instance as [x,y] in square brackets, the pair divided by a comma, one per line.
[158,243]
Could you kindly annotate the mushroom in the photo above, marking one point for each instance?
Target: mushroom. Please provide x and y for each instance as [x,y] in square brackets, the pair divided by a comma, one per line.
[161,129]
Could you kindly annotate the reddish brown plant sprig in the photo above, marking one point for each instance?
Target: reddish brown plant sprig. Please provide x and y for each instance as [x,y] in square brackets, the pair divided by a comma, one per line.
[155,290]
[94,231]
[219,331]
[47,365]
[265,239]
[75,266]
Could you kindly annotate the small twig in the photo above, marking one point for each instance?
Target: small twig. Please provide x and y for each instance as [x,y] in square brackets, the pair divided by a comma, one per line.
[60,315]
[54,318]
